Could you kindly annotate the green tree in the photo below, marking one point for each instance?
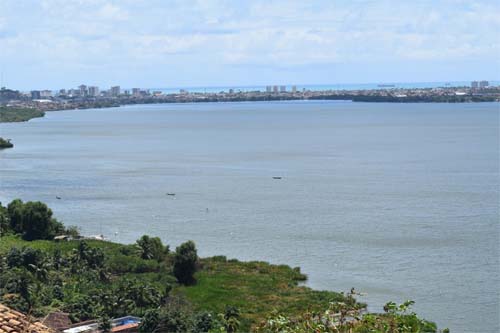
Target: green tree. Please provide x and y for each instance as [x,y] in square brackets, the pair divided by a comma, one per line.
[203,322]
[38,222]
[152,248]
[105,324]
[185,260]
[173,319]
[15,211]
[33,220]
[150,321]
[4,221]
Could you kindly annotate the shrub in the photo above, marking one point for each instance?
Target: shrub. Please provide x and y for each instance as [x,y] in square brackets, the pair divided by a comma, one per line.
[185,260]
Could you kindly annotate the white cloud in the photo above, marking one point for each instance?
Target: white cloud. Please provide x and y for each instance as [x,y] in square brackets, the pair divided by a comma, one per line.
[93,33]
[112,12]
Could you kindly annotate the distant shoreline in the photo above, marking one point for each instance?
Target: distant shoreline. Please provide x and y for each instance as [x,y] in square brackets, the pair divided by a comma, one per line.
[16,100]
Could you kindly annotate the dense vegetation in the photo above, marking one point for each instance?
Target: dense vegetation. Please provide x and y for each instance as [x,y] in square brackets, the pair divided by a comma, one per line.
[11,115]
[5,143]
[173,291]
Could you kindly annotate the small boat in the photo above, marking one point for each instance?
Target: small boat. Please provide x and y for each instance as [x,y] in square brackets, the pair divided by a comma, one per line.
[171,194]
[277,177]
[58,198]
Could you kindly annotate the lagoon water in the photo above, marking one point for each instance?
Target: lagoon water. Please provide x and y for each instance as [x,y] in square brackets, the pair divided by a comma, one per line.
[400,201]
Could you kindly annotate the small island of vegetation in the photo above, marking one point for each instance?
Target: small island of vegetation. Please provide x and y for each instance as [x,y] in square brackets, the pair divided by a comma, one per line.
[46,267]
[13,115]
[5,143]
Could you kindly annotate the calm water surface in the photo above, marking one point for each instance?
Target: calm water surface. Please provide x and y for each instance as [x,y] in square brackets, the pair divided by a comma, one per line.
[400,201]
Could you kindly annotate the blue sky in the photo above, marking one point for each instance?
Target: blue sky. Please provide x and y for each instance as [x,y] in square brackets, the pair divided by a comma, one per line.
[160,43]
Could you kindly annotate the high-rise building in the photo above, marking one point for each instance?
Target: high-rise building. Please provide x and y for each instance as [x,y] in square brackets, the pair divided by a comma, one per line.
[45,93]
[115,91]
[231,91]
[282,89]
[268,89]
[83,90]
[275,89]
[294,89]
[62,92]
[136,92]
[483,84]
[35,94]
[74,92]
[474,84]
[93,91]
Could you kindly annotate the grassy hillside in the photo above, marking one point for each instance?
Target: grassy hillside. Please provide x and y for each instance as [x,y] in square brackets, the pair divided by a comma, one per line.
[255,288]
[172,291]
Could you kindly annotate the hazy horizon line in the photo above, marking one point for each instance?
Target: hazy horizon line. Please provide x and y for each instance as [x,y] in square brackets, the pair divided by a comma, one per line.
[495,82]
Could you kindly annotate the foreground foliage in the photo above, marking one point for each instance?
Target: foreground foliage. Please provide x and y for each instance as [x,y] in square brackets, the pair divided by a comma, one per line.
[171,291]
[339,318]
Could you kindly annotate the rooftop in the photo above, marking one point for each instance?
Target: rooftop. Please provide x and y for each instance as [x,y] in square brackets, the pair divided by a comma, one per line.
[15,322]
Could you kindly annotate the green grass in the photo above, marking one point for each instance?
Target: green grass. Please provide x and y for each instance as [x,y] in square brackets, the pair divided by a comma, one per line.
[7,242]
[11,115]
[256,288]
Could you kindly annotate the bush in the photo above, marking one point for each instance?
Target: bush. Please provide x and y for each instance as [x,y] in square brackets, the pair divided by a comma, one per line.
[171,318]
[185,260]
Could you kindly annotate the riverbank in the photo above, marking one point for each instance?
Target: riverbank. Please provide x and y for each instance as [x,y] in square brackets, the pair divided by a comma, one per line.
[394,95]
[255,288]
[94,279]
[13,115]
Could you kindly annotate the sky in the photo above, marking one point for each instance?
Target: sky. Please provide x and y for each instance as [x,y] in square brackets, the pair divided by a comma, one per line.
[52,44]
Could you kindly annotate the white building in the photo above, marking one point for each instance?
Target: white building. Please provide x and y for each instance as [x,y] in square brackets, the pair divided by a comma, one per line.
[115,91]
[93,91]
[483,84]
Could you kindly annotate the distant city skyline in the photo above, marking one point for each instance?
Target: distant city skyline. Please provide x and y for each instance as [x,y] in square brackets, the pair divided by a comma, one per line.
[53,44]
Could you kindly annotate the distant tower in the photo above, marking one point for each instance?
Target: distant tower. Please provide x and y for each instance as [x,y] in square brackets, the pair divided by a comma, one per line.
[35,94]
[294,89]
[45,93]
[83,90]
[483,84]
[269,89]
[115,91]
[93,91]
[282,89]
[474,84]
[275,89]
